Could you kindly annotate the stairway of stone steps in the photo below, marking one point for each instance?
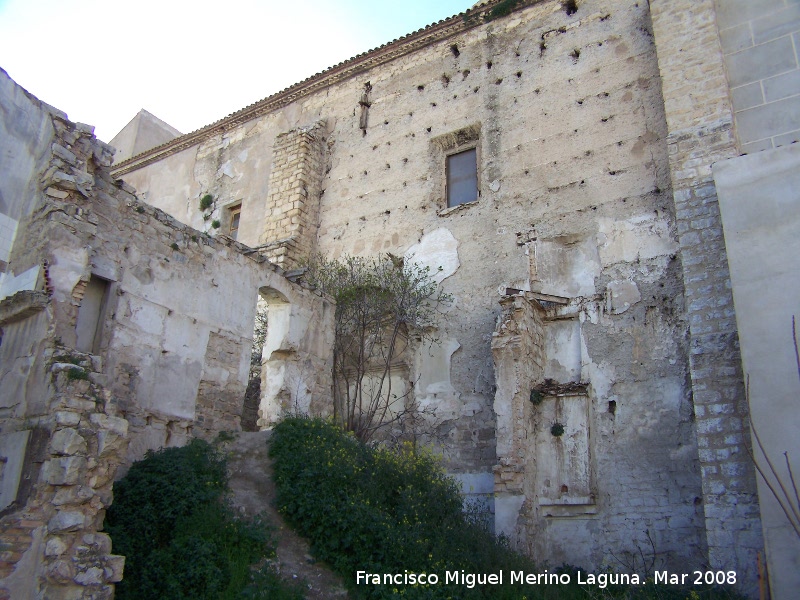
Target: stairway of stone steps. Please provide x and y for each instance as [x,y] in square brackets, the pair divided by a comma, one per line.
[253,492]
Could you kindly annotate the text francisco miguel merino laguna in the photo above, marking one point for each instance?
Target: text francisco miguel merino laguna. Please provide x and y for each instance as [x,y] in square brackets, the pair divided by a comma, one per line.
[470,580]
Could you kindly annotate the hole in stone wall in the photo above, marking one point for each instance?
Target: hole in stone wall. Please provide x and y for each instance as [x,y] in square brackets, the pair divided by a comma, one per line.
[571,6]
[420,87]
[575,54]
[612,406]
[465,73]
[489,65]
[454,50]
[499,81]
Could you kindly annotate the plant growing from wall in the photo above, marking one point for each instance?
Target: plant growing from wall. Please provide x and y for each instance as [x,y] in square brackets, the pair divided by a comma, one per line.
[557,429]
[379,303]
[207,207]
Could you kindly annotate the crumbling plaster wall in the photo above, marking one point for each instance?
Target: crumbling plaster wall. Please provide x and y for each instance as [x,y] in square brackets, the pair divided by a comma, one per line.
[575,200]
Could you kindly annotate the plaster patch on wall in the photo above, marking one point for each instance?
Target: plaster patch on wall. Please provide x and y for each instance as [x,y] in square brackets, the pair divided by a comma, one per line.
[621,295]
[565,266]
[563,350]
[641,237]
[437,250]
[67,269]
[433,387]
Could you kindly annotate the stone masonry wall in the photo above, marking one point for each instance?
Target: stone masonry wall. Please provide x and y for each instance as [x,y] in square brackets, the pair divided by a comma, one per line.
[700,123]
[761,44]
[292,219]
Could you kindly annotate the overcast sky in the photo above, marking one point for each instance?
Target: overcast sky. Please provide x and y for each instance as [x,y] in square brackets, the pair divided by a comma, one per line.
[188,63]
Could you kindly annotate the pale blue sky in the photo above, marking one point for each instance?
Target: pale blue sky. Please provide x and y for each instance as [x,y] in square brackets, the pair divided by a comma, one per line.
[189,63]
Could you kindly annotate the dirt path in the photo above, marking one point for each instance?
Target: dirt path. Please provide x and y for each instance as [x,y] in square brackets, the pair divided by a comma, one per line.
[253,492]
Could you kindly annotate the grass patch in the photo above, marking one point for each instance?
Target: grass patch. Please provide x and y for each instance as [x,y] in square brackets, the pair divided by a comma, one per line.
[180,540]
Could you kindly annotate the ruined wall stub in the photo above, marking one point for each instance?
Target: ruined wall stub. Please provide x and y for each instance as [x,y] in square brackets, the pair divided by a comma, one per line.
[700,120]
[565,113]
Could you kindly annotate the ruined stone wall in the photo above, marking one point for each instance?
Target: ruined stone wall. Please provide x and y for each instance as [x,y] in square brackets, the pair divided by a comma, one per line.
[177,306]
[121,331]
[700,120]
[565,111]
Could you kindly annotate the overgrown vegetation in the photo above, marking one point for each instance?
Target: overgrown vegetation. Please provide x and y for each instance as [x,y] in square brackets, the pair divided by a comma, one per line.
[180,540]
[380,302]
[383,511]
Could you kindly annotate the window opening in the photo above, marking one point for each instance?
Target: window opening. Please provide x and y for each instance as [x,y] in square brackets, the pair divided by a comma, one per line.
[235,214]
[462,177]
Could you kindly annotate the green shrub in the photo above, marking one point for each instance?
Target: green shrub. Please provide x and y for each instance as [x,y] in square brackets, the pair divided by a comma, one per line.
[382,511]
[179,539]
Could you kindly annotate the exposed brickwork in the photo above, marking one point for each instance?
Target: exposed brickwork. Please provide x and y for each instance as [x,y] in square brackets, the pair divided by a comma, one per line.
[701,132]
[290,230]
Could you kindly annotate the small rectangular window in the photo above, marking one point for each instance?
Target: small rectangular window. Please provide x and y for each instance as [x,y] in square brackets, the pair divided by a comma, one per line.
[462,177]
[234,215]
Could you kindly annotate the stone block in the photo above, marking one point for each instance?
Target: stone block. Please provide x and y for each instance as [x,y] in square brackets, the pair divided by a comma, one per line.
[114,568]
[759,146]
[64,471]
[736,38]
[782,86]
[769,119]
[65,521]
[776,24]
[747,96]
[786,139]
[67,441]
[760,62]
[732,13]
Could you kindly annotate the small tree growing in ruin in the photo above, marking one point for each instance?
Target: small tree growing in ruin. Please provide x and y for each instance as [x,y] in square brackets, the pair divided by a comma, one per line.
[379,301]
